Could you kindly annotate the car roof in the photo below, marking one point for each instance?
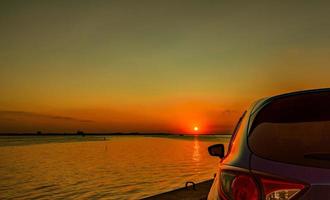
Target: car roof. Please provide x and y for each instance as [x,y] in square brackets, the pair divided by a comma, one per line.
[300,92]
[264,101]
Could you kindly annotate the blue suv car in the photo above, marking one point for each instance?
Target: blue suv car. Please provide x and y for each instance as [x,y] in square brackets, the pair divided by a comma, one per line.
[280,149]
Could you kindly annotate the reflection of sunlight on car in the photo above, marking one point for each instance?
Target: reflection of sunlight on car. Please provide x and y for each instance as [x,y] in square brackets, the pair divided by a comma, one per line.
[196,153]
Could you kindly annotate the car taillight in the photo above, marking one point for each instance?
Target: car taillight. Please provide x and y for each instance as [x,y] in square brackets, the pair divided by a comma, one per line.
[278,189]
[235,185]
[245,186]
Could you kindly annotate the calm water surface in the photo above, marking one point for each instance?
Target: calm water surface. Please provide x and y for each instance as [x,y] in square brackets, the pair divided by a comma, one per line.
[120,167]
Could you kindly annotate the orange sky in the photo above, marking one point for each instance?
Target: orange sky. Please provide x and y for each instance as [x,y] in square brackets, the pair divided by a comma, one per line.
[149,66]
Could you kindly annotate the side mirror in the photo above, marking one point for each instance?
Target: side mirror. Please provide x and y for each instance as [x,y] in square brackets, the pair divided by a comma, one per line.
[217,150]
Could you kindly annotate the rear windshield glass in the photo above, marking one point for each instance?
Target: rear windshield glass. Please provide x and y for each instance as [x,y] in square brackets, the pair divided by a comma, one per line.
[294,129]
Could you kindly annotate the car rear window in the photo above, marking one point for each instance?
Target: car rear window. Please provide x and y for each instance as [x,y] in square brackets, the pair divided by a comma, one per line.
[294,129]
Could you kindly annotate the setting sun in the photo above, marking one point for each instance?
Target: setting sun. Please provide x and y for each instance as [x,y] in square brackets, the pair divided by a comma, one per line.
[196,128]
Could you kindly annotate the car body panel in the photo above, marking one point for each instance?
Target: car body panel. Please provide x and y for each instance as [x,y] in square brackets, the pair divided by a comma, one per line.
[238,152]
[317,179]
[236,158]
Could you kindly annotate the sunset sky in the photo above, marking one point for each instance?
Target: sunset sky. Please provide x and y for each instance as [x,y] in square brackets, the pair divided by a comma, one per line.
[154,66]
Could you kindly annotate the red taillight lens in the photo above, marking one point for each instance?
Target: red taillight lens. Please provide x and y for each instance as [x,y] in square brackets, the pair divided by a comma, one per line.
[244,188]
[278,189]
[237,185]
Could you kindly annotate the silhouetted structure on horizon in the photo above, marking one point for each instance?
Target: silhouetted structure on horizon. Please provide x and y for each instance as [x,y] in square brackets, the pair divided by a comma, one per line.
[80,133]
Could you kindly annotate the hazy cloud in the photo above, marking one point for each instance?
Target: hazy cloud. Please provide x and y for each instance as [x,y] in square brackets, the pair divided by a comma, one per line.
[11,115]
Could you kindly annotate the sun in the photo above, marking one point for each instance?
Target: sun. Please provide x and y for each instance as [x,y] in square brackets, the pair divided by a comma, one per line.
[196,128]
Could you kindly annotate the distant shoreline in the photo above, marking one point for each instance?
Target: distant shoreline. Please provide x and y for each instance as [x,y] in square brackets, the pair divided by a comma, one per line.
[106,134]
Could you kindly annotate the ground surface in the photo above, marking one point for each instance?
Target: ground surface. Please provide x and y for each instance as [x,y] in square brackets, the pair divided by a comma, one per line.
[202,189]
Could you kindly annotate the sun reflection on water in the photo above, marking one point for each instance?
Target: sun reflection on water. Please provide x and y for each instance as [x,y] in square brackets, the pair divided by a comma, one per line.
[196,154]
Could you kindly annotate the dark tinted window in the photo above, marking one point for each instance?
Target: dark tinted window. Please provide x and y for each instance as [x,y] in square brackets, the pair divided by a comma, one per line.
[294,129]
